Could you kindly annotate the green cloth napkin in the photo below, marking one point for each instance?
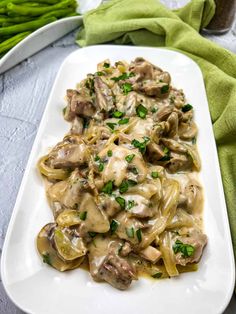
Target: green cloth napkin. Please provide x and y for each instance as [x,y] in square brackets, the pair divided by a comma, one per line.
[149,23]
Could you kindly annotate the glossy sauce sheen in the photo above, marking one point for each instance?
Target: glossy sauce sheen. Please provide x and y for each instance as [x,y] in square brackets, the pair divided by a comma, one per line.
[123,184]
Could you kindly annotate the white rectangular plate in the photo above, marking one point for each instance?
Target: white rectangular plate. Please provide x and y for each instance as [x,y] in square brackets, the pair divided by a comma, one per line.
[37,288]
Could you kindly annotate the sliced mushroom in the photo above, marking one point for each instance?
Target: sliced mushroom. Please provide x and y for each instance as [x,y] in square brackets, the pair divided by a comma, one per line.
[174,146]
[69,193]
[104,99]
[127,227]
[69,247]
[109,205]
[68,218]
[179,162]
[172,123]
[164,77]
[116,166]
[177,98]
[164,112]
[194,197]
[187,131]
[139,206]
[47,250]
[96,220]
[193,153]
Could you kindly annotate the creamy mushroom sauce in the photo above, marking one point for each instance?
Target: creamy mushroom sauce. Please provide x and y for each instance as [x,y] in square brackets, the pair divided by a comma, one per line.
[123,183]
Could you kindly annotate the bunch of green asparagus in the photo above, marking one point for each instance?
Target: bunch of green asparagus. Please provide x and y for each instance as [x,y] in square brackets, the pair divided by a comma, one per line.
[19,18]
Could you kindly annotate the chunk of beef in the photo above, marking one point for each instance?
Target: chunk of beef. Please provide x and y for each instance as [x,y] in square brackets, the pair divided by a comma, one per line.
[142,68]
[77,126]
[78,104]
[196,239]
[69,155]
[106,264]
[117,271]
[154,152]
[179,162]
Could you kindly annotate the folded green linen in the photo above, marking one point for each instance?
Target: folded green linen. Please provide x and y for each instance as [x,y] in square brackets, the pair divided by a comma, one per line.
[149,23]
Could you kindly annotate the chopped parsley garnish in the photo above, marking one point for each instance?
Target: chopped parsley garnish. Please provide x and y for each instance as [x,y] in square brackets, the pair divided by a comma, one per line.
[130,232]
[157,275]
[129,158]
[106,65]
[154,109]
[141,145]
[92,234]
[125,185]
[141,111]
[97,158]
[123,76]
[101,167]
[85,123]
[90,85]
[134,170]
[167,154]
[139,235]
[187,250]
[154,174]
[132,182]
[83,215]
[64,110]
[121,201]
[164,89]
[99,73]
[113,226]
[123,121]
[111,125]
[109,153]
[108,187]
[131,204]
[117,114]
[187,108]
[47,259]
[126,88]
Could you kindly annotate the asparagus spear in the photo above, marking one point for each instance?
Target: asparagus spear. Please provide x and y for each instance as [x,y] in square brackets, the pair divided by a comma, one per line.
[9,43]
[16,19]
[28,26]
[34,4]
[59,13]
[4,3]
[5,24]
[3,10]
[13,9]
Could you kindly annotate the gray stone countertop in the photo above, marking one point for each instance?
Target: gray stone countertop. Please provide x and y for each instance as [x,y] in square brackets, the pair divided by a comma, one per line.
[24,91]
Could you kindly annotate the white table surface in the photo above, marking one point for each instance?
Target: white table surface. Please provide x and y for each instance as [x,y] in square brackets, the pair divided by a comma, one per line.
[23,95]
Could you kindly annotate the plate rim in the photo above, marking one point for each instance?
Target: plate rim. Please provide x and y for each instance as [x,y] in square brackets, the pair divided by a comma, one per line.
[36,142]
[34,34]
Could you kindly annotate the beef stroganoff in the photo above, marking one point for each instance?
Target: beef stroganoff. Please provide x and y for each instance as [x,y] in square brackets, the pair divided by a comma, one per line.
[123,183]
